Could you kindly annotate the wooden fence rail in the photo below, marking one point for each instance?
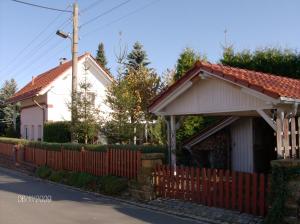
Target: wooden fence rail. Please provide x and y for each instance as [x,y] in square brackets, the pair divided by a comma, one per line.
[118,162]
[245,192]
[288,137]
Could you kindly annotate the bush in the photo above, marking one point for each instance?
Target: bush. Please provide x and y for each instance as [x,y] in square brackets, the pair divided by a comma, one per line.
[57,132]
[80,179]
[113,185]
[43,172]
[58,176]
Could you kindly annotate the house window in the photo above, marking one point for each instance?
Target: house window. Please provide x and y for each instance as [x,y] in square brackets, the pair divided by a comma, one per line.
[40,133]
[32,132]
[91,96]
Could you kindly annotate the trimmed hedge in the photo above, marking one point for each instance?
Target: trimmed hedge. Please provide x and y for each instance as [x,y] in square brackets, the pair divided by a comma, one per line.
[78,147]
[15,141]
[58,132]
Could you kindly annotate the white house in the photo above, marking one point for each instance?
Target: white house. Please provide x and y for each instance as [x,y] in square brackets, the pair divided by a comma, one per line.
[254,103]
[46,97]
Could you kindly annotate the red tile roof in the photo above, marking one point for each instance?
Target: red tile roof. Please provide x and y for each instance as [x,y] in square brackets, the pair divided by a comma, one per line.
[268,84]
[41,81]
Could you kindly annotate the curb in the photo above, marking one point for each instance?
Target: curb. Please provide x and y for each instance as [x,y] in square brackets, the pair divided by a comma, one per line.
[181,215]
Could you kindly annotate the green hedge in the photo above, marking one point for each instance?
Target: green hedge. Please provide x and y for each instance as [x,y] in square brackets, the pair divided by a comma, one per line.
[57,132]
[16,141]
[78,147]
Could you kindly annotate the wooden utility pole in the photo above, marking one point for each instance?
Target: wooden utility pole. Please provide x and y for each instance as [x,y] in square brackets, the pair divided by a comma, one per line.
[74,68]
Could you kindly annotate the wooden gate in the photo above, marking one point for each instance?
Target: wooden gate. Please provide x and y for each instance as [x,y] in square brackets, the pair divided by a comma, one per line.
[245,192]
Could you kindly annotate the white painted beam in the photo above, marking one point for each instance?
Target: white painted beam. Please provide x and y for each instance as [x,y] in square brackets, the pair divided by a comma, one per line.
[267,118]
[173,141]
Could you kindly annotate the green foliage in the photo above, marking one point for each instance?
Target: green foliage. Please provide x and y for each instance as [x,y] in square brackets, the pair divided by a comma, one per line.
[80,179]
[58,176]
[86,113]
[100,57]
[129,98]
[284,62]
[7,110]
[137,57]
[113,185]
[57,131]
[43,172]
[45,145]
[15,141]
[279,193]
[186,61]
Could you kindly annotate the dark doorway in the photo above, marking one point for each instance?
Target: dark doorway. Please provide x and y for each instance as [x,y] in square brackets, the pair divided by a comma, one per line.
[263,145]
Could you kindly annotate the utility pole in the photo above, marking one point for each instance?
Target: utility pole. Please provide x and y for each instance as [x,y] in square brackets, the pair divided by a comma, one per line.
[74,69]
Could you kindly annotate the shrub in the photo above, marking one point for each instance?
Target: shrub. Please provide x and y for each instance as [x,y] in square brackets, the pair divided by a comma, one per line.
[45,145]
[43,172]
[57,176]
[113,185]
[57,132]
[80,179]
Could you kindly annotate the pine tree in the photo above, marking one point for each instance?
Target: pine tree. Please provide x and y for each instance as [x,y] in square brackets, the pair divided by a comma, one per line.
[137,57]
[88,119]
[7,111]
[186,61]
[101,58]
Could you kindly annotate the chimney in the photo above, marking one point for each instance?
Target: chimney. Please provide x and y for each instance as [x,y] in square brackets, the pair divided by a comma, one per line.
[32,81]
[62,61]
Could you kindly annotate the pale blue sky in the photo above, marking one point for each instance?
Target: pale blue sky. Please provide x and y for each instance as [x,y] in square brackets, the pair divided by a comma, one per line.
[164,27]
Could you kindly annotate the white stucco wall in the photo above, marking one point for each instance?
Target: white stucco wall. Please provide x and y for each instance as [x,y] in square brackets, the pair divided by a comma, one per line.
[32,118]
[58,96]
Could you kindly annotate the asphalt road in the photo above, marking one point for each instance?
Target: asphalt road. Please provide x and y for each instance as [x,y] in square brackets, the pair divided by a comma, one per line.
[66,206]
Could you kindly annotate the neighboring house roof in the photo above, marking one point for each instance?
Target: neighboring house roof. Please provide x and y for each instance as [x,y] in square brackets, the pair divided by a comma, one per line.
[208,131]
[268,84]
[43,80]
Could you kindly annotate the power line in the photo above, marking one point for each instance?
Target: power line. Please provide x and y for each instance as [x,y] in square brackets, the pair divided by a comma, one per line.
[32,41]
[122,17]
[91,5]
[41,6]
[36,50]
[104,13]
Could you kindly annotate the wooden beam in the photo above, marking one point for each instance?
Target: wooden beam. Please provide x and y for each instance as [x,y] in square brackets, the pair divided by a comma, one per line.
[173,141]
[267,118]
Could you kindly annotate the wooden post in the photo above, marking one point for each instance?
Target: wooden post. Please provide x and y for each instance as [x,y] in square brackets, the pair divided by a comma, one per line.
[173,142]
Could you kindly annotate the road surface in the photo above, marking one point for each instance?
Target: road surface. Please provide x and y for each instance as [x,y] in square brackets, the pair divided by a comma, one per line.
[66,206]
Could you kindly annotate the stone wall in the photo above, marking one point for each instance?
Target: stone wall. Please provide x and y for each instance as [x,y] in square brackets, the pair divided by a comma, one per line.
[291,205]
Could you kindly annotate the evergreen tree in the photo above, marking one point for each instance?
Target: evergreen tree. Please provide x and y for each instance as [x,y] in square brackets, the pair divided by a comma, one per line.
[88,120]
[186,61]
[100,57]
[7,111]
[276,61]
[137,57]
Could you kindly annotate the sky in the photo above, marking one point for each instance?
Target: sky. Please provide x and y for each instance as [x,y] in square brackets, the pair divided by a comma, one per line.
[29,46]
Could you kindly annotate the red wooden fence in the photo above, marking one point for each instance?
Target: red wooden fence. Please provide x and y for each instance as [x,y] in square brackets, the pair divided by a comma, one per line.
[245,192]
[7,149]
[118,162]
